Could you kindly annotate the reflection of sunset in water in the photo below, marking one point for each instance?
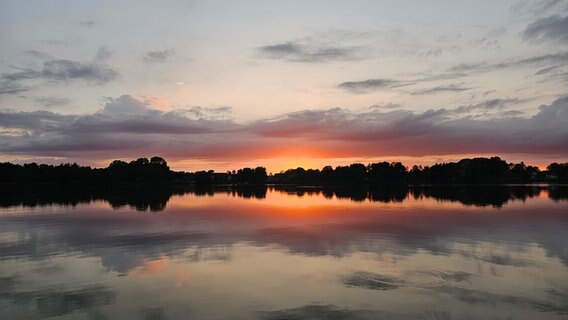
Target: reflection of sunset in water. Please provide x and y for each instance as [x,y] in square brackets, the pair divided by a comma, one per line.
[291,253]
[312,202]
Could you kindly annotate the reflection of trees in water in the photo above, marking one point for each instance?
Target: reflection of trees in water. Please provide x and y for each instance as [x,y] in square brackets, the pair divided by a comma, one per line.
[142,198]
[486,195]
[495,196]
[558,193]
[155,197]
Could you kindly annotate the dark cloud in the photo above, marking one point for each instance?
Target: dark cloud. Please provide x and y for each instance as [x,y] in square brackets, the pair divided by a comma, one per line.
[404,132]
[158,56]
[553,29]
[298,52]
[442,88]
[11,87]
[547,59]
[370,85]
[52,101]
[489,105]
[88,23]
[538,8]
[65,70]
[35,122]
[126,126]
[547,70]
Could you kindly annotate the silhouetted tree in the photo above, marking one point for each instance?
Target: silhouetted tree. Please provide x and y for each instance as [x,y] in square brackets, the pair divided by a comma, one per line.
[142,170]
[558,170]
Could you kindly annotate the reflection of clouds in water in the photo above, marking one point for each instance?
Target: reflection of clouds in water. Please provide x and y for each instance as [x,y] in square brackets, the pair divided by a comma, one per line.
[473,297]
[125,241]
[555,301]
[153,313]
[373,281]
[51,302]
[407,278]
[446,255]
[320,312]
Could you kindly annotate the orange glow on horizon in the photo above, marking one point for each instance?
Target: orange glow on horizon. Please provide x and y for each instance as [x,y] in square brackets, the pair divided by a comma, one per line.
[289,159]
[309,159]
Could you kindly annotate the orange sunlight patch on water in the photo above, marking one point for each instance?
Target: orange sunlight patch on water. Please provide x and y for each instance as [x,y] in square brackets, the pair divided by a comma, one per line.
[150,267]
[310,204]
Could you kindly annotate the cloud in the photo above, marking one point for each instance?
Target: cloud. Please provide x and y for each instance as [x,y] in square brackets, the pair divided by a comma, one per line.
[442,88]
[11,87]
[65,70]
[538,8]
[88,23]
[376,84]
[52,101]
[553,29]
[370,85]
[127,114]
[489,105]
[313,52]
[547,59]
[127,126]
[38,54]
[103,54]
[215,113]
[158,56]
[124,123]
[401,132]
[547,70]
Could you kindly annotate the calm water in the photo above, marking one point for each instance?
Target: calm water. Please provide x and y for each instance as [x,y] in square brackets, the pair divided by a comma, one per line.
[305,253]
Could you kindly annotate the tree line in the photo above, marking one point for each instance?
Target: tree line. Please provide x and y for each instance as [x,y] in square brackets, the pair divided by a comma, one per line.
[476,170]
[156,169]
[141,170]
[144,197]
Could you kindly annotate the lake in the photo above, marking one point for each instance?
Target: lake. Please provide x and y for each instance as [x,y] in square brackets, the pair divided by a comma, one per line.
[383,252]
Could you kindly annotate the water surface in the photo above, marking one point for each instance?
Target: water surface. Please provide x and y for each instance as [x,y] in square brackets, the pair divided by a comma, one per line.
[284,253]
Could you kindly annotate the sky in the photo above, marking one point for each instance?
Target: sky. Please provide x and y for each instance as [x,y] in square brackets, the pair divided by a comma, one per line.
[227,84]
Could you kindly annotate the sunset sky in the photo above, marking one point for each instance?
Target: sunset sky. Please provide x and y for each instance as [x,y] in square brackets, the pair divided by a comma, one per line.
[226,84]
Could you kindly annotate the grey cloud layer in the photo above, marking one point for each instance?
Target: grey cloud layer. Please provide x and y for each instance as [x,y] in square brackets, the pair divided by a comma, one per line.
[63,70]
[553,29]
[538,8]
[158,56]
[443,88]
[370,85]
[547,59]
[52,101]
[11,87]
[127,126]
[297,52]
